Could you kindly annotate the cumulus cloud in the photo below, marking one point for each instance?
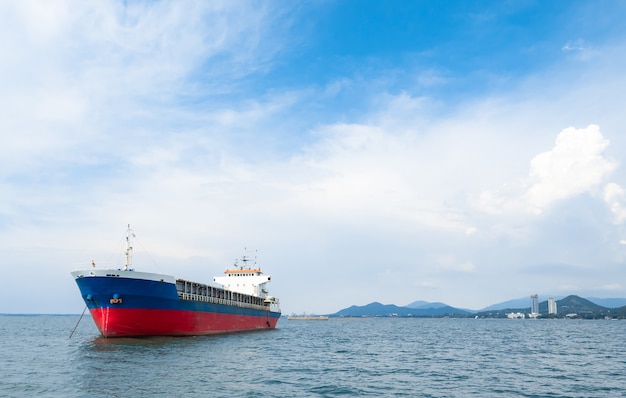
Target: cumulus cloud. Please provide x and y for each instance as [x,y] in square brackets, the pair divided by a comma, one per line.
[574,165]
[153,113]
[615,197]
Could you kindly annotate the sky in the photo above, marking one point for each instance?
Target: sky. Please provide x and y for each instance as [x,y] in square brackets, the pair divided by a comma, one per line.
[459,152]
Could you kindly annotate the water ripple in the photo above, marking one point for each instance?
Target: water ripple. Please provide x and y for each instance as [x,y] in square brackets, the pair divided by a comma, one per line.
[365,357]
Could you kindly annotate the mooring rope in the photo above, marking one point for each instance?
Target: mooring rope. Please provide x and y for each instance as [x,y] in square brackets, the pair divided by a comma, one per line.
[81,317]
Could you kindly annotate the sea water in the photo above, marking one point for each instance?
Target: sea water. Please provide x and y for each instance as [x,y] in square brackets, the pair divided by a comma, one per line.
[385,357]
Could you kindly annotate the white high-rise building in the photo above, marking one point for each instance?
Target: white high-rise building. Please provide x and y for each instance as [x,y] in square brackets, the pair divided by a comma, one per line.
[551,306]
[534,305]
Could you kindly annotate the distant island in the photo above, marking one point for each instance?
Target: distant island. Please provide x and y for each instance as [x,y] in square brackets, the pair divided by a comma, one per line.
[570,307]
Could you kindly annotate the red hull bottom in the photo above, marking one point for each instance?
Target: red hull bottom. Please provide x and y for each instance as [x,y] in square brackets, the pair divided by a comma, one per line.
[115,322]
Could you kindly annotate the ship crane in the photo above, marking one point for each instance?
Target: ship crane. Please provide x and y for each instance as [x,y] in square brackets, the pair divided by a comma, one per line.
[129,248]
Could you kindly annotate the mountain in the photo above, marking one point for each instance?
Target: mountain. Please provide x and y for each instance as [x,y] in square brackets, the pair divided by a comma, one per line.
[387,310]
[578,305]
[608,302]
[570,306]
[523,302]
[425,305]
[592,308]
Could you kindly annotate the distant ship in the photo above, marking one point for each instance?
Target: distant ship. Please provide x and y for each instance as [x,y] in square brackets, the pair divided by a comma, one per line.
[307,318]
[125,302]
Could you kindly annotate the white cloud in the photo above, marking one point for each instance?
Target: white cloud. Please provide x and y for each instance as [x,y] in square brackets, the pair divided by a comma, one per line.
[471,230]
[574,45]
[615,197]
[574,166]
[82,78]
[612,287]
[579,50]
[112,113]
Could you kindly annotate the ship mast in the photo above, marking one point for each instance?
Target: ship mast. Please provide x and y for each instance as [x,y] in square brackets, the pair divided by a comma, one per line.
[129,248]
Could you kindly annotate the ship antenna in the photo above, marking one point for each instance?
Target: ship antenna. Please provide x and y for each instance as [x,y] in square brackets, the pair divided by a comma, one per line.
[129,248]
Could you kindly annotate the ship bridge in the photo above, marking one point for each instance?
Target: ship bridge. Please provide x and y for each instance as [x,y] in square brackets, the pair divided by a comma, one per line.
[246,281]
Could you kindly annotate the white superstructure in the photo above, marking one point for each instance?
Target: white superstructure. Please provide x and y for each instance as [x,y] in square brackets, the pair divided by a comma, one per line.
[243,279]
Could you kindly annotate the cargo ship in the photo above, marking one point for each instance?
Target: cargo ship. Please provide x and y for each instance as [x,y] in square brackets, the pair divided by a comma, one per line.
[124,302]
[307,318]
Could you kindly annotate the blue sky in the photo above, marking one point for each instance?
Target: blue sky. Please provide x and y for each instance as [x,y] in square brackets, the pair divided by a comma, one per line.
[463,152]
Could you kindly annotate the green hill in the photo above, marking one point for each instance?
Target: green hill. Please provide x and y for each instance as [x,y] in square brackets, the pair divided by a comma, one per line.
[387,310]
[580,306]
[571,307]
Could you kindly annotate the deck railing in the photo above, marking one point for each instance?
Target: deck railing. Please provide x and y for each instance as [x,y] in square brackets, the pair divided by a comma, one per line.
[215,300]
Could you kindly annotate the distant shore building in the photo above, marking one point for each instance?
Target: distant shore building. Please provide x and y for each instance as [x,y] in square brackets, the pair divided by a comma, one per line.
[551,306]
[534,305]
